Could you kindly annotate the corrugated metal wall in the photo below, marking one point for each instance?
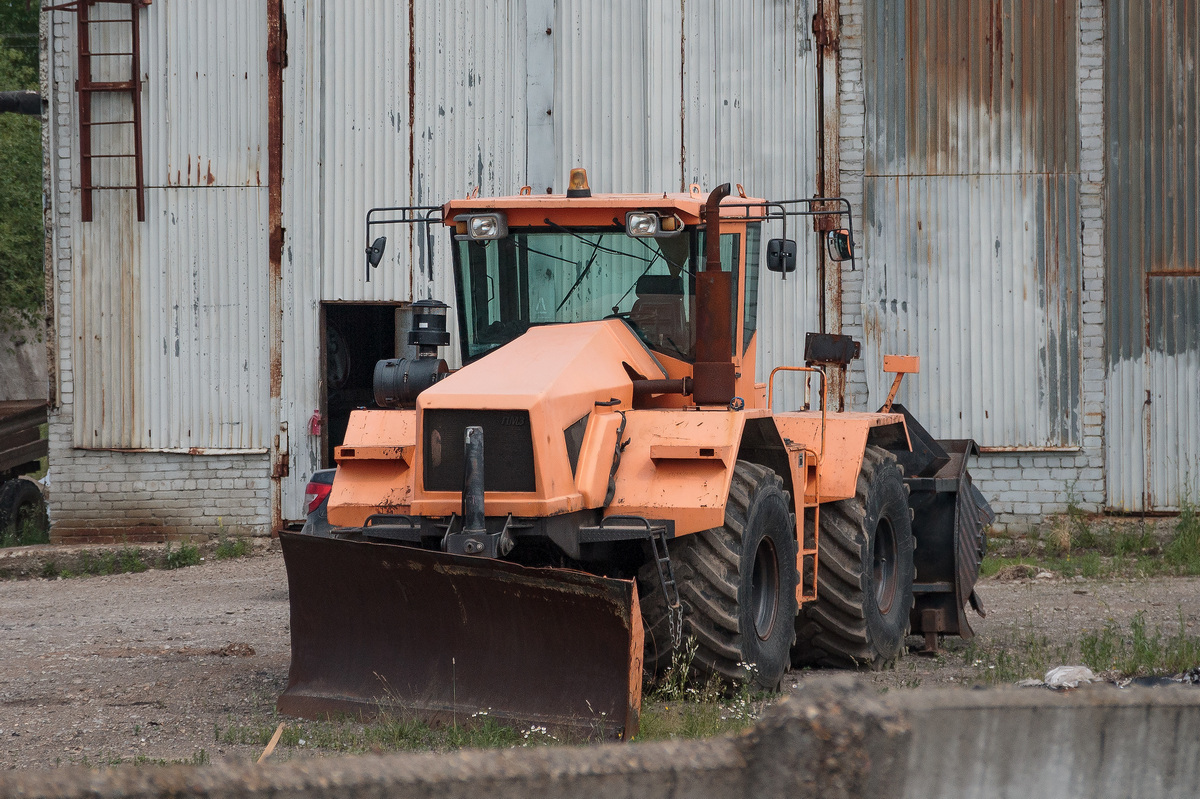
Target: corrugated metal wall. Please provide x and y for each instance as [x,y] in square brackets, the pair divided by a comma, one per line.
[702,92]
[170,314]
[393,103]
[972,232]
[648,96]
[1152,126]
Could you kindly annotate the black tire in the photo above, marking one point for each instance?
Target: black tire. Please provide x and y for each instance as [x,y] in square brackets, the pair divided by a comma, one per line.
[23,518]
[865,574]
[737,585]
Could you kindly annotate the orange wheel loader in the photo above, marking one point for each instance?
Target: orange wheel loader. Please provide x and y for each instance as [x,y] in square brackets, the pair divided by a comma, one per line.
[605,477]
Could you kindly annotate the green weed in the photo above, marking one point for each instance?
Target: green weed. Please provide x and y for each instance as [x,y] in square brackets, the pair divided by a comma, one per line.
[199,758]
[388,733]
[228,548]
[129,559]
[684,703]
[1140,652]
[1183,552]
[27,529]
[186,555]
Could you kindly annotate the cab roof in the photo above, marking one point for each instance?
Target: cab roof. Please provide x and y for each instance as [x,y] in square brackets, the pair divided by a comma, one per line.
[601,210]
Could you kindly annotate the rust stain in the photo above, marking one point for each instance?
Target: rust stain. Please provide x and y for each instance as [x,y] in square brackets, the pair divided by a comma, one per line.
[276,60]
[412,98]
[1013,61]
[274,183]
[210,178]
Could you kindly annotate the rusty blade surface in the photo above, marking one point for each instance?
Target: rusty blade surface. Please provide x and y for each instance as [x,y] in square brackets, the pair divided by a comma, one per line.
[420,634]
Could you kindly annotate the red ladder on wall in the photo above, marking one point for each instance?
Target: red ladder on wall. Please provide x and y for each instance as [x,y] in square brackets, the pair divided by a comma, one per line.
[88,87]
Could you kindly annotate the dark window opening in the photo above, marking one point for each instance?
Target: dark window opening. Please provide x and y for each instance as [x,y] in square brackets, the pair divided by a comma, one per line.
[356,336]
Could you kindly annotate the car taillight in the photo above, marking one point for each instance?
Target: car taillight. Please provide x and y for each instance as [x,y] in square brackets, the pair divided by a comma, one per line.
[314,495]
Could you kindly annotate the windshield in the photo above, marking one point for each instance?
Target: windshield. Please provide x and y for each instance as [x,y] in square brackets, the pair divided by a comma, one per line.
[558,275]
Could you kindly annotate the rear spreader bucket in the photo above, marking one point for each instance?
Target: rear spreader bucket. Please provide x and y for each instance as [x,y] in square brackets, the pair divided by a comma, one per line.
[383,628]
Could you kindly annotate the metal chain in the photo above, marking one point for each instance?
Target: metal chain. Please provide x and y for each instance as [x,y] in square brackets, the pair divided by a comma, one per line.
[666,578]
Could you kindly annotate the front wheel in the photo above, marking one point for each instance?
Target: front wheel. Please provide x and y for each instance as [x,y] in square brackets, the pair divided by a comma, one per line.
[737,585]
[865,579]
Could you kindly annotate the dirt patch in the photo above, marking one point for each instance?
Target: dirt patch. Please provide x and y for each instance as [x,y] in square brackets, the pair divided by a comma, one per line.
[185,665]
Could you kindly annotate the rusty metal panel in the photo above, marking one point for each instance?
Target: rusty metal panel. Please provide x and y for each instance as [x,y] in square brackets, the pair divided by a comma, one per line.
[363,129]
[171,317]
[962,88]
[1152,231]
[971,220]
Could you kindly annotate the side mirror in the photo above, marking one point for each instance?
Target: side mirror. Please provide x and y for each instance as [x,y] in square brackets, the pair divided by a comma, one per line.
[839,245]
[781,255]
[375,251]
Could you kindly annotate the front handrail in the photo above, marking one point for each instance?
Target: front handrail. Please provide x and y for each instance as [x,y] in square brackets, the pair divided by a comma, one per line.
[824,396]
[426,215]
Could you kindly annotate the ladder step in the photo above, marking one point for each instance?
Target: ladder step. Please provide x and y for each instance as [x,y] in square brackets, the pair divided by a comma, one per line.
[115,122]
[109,86]
[97,55]
[108,155]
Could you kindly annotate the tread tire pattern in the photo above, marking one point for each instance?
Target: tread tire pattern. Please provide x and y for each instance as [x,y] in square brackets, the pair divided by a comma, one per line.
[710,573]
[844,627]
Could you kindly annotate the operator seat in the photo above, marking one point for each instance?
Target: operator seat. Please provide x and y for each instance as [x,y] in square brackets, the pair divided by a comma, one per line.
[658,311]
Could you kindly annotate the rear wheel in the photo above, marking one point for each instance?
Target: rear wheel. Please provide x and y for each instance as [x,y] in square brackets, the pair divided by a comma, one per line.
[864,586]
[737,585]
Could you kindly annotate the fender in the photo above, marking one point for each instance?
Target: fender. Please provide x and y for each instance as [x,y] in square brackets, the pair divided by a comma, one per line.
[375,467]
[679,465]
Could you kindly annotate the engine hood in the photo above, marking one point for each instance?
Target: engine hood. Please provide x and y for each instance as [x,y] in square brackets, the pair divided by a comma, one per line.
[548,380]
[548,361]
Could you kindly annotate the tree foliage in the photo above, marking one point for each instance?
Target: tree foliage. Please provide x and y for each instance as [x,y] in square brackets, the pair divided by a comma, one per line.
[21,237]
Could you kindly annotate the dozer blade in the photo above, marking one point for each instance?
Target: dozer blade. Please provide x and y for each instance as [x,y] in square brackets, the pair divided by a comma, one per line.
[384,628]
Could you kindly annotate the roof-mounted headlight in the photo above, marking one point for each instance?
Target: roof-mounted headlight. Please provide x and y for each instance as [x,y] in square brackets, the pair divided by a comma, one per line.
[481,227]
[642,224]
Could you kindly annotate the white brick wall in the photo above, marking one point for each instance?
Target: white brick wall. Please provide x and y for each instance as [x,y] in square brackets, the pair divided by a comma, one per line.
[1023,488]
[98,495]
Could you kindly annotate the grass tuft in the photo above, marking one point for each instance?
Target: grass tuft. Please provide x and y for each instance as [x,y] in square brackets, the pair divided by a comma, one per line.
[1140,652]
[1183,552]
[1096,550]
[186,555]
[685,703]
[228,548]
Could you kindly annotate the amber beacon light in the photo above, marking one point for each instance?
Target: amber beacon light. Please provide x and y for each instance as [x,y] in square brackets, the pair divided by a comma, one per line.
[578,185]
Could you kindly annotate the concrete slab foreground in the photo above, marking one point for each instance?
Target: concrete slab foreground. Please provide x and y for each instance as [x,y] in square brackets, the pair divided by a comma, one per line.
[835,738]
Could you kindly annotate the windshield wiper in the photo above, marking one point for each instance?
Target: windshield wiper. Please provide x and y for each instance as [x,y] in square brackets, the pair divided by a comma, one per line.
[582,275]
[596,243]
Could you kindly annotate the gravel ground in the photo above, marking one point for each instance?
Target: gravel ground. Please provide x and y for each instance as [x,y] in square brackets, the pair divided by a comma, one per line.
[101,670]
